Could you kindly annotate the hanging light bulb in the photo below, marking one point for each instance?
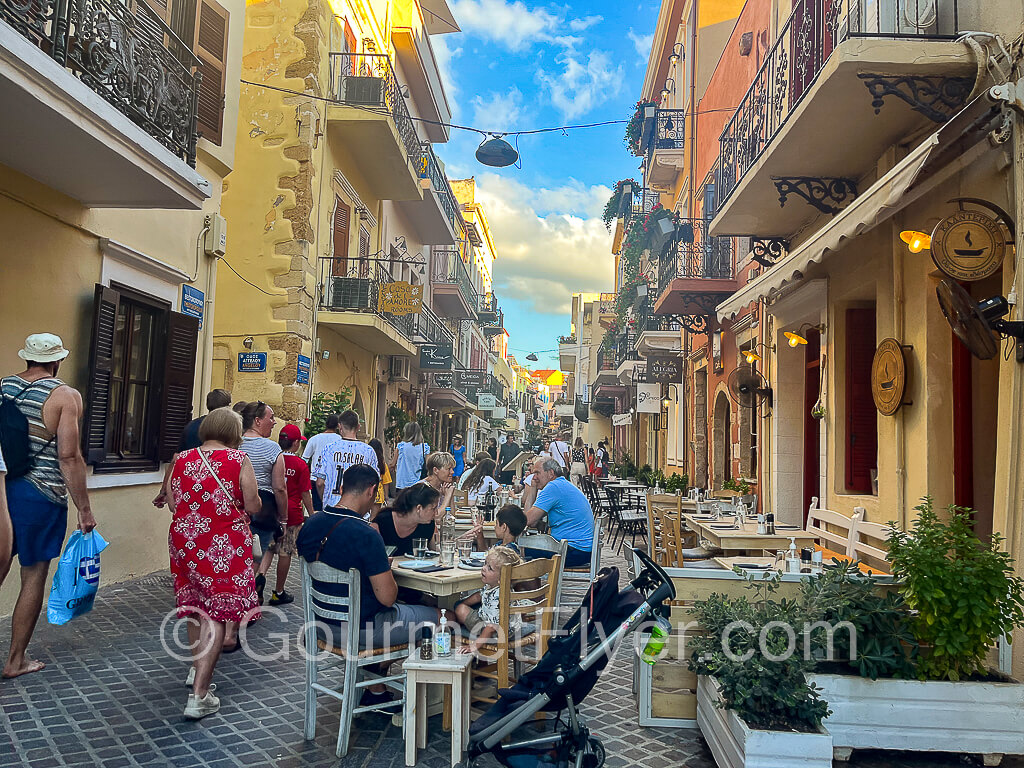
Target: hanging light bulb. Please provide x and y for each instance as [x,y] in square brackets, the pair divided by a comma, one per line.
[496,152]
[751,355]
[916,241]
[795,339]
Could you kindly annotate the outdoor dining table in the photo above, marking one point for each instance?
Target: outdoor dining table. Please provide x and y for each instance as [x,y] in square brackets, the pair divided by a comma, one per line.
[447,585]
[745,537]
[756,560]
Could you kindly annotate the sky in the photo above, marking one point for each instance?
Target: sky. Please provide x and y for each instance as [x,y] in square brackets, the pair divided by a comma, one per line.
[522,65]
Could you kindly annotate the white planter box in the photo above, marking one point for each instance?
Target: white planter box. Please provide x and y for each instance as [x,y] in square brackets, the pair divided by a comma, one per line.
[734,745]
[932,716]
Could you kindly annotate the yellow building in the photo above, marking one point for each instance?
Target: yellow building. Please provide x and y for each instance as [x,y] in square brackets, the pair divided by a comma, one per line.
[106,197]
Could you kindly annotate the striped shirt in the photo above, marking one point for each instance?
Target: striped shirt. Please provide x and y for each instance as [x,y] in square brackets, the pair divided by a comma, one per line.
[263,453]
[45,474]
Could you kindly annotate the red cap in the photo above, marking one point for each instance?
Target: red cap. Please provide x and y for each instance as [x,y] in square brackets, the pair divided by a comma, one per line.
[292,432]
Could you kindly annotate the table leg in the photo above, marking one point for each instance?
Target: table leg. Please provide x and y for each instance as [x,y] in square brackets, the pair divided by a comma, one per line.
[458,723]
[411,715]
[446,719]
[421,716]
[467,699]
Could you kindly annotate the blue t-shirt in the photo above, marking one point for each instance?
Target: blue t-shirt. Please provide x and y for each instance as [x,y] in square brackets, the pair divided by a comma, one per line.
[409,463]
[460,459]
[354,543]
[569,514]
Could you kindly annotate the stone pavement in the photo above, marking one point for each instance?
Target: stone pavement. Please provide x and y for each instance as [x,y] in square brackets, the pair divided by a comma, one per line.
[110,695]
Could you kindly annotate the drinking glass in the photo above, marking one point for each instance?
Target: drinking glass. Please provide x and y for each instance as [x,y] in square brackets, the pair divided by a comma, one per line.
[419,548]
[465,549]
[448,553]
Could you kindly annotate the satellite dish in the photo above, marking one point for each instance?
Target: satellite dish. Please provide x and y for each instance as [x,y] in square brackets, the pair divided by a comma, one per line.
[748,388]
[977,324]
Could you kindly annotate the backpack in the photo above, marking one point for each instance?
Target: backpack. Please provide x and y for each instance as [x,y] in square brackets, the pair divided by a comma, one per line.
[14,437]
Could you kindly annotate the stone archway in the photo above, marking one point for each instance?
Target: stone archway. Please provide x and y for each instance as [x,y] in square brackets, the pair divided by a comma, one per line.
[700,429]
[721,436]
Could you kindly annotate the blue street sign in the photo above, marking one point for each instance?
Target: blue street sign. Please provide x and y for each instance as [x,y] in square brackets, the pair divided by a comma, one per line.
[252,362]
[302,376]
[192,303]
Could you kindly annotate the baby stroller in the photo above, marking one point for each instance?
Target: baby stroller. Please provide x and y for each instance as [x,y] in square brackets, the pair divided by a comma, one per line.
[567,673]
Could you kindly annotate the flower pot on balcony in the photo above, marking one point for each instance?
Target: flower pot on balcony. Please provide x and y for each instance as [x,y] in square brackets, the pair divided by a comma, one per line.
[661,232]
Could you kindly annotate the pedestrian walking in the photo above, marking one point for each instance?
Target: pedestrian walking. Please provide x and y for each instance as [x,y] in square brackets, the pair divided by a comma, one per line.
[217,398]
[313,447]
[338,454]
[300,504]
[578,463]
[39,478]
[458,451]
[492,448]
[6,533]
[212,493]
[559,450]
[509,450]
[410,457]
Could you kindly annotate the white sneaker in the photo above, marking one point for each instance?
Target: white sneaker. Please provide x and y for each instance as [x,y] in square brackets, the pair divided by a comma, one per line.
[197,709]
[191,677]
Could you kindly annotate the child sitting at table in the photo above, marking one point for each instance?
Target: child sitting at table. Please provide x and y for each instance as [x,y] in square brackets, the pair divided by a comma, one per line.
[479,613]
[509,523]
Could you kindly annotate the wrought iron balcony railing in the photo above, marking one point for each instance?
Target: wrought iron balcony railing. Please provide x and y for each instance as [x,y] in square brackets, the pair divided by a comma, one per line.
[429,167]
[566,339]
[427,328]
[625,347]
[448,268]
[695,256]
[666,131]
[139,67]
[354,285]
[812,32]
[367,81]
[606,304]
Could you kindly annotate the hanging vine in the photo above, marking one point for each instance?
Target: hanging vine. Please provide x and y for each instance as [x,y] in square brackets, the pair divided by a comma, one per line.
[611,208]
[634,128]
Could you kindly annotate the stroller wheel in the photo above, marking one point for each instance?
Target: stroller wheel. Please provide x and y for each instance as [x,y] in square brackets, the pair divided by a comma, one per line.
[594,758]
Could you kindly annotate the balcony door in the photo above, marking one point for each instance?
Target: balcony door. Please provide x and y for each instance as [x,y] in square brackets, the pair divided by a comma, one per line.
[812,33]
[339,264]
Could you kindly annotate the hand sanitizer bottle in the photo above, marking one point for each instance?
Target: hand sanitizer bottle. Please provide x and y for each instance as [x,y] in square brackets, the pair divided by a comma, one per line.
[792,559]
[443,638]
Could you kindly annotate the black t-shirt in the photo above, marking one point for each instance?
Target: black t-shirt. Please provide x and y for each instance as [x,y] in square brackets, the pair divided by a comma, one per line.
[509,450]
[352,544]
[403,546]
[190,435]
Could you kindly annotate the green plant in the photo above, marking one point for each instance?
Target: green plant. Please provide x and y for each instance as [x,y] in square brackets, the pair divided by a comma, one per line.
[611,208]
[761,678]
[963,591]
[397,419]
[742,487]
[428,425]
[635,126]
[323,405]
[675,483]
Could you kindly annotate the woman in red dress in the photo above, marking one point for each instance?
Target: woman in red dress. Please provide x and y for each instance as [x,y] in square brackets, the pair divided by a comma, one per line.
[212,492]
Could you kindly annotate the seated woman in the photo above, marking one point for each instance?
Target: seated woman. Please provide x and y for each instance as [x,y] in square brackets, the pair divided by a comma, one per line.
[410,517]
[481,480]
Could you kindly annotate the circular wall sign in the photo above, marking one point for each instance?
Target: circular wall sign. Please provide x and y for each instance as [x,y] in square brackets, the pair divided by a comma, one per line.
[968,245]
[888,377]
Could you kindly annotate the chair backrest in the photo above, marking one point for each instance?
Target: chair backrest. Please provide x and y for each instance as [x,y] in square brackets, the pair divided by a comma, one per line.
[671,540]
[749,501]
[546,543]
[869,542]
[319,605]
[832,529]
[542,602]
[654,542]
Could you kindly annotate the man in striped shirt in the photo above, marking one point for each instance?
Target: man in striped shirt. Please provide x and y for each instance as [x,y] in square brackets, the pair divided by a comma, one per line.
[38,501]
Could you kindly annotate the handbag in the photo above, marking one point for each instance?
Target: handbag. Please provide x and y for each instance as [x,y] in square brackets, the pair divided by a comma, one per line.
[423,469]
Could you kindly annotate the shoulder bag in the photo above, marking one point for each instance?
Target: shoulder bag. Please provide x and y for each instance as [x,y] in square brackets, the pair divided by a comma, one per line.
[261,520]
[423,469]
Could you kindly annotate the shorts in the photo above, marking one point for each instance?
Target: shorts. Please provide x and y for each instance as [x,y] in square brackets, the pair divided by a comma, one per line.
[266,538]
[399,624]
[39,524]
[286,544]
[473,620]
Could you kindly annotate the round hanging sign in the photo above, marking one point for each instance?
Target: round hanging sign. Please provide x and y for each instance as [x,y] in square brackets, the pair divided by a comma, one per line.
[968,245]
[888,377]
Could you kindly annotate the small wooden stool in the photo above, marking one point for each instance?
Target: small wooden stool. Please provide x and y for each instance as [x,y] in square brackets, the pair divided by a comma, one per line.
[451,670]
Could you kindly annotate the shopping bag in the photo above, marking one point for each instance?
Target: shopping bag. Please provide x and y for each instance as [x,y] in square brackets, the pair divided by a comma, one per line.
[77,577]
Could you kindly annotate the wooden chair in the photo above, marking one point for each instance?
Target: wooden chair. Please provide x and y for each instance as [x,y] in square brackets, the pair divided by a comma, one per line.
[874,554]
[671,540]
[577,580]
[546,543]
[838,537]
[655,545]
[540,612]
[319,606]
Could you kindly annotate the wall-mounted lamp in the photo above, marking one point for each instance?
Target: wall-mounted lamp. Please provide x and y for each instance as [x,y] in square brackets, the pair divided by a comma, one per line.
[916,241]
[677,53]
[669,87]
[796,338]
[248,342]
[641,290]
[751,356]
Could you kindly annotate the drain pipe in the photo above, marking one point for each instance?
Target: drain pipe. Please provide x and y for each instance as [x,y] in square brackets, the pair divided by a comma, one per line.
[898,330]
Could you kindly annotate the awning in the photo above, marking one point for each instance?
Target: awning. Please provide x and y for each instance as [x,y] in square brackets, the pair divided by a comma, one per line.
[927,165]
[437,17]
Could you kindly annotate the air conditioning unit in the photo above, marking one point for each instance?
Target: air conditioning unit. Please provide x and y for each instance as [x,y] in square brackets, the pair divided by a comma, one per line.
[363,90]
[401,368]
[349,293]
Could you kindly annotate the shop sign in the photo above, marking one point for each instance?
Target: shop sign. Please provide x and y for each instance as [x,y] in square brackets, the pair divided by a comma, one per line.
[400,298]
[968,245]
[473,378]
[485,401]
[436,357]
[192,303]
[443,381]
[302,374]
[582,411]
[252,362]
[564,409]
[648,398]
[888,377]
[622,419]
[665,369]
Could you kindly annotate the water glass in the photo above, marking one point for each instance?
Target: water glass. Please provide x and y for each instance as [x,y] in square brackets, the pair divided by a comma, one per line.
[447,553]
[465,549]
[419,548]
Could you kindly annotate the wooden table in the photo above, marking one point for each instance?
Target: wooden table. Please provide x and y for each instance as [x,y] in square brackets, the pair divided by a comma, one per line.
[441,584]
[746,536]
[827,556]
[453,671]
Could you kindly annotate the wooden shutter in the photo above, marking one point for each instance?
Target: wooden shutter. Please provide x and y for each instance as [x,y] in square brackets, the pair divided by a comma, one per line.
[211,45]
[364,253]
[340,263]
[101,363]
[179,379]
[861,415]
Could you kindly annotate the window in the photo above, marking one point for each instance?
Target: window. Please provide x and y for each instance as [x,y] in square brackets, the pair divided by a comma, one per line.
[339,263]
[141,375]
[861,414]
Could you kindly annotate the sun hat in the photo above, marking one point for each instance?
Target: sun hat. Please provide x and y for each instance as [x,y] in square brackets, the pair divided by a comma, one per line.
[291,432]
[43,348]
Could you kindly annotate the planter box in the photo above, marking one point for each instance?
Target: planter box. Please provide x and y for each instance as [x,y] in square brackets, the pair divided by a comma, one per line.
[933,716]
[734,745]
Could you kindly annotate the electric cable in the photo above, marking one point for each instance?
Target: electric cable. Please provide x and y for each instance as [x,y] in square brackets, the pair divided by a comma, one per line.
[268,293]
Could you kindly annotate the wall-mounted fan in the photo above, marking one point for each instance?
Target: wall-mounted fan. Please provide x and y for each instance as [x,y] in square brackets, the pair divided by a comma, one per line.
[978,323]
[748,388]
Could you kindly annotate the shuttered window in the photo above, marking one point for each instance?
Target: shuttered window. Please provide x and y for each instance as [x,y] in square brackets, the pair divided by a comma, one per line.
[340,239]
[364,253]
[210,45]
[861,415]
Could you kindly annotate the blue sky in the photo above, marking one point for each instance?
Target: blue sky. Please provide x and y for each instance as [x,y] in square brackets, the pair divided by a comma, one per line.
[522,65]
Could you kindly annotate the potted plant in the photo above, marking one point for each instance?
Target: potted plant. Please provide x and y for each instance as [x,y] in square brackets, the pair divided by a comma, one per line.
[634,128]
[960,596]
[755,706]
[611,208]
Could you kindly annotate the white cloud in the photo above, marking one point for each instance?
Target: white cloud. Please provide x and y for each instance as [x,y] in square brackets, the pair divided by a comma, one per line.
[551,242]
[582,86]
[642,43]
[578,25]
[444,56]
[511,24]
[498,111]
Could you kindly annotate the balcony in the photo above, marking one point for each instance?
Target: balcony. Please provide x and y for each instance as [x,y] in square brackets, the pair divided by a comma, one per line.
[411,38]
[348,302]
[627,359]
[490,317]
[428,328]
[657,334]
[632,207]
[606,382]
[696,272]
[664,140]
[567,352]
[442,392]
[453,291]
[834,93]
[436,217]
[370,119]
[98,106]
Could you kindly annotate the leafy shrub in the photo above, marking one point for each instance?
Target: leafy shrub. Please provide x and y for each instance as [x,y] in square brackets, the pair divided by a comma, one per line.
[742,487]
[323,405]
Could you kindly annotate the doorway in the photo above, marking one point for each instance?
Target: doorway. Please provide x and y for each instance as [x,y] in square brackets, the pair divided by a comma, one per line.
[722,436]
[812,426]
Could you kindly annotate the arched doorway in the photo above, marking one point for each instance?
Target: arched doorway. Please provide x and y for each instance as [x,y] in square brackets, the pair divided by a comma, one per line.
[722,437]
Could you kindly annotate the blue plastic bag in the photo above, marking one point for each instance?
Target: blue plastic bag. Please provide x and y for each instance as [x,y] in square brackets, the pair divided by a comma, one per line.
[77,577]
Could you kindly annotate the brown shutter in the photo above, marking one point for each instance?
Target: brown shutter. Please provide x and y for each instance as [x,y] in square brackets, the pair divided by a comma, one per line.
[340,262]
[101,360]
[861,414]
[210,45]
[179,378]
[364,253]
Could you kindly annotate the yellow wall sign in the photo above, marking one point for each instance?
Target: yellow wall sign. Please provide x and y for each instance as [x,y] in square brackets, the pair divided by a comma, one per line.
[968,245]
[400,298]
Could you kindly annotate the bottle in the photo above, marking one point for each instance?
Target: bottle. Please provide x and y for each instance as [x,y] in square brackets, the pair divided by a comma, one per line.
[816,562]
[427,644]
[770,524]
[805,560]
[443,638]
[762,525]
[656,642]
[792,559]
[448,525]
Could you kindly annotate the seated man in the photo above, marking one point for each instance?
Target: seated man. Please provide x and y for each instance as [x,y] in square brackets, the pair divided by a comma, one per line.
[569,514]
[341,538]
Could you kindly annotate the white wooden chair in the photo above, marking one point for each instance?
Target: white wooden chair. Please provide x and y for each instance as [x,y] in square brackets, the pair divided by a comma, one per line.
[833,530]
[324,656]
[577,580]
[544,542]
[869,541]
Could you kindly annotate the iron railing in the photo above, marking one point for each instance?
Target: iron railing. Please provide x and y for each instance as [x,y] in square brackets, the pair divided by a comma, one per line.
[133,60]
[368,81]
[429,167]
[566,339]
[354,285]
[427,328]
[606,304]
[448,268]
[695,256]
[666,131]
[489,314]
[625,347]
[812,32]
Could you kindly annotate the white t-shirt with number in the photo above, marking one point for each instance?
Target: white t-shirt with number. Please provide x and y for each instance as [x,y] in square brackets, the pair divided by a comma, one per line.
[337,456]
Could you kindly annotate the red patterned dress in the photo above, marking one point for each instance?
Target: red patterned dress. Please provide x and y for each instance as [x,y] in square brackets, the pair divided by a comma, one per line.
[209,539]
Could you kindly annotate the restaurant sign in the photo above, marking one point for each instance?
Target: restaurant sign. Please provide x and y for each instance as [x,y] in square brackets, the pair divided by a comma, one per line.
[622,419]
[888,377]
[400,298]
[485,401]
[968,245]
[443,381]
[436,357]
[648,398]
[473,378]
[665,369]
